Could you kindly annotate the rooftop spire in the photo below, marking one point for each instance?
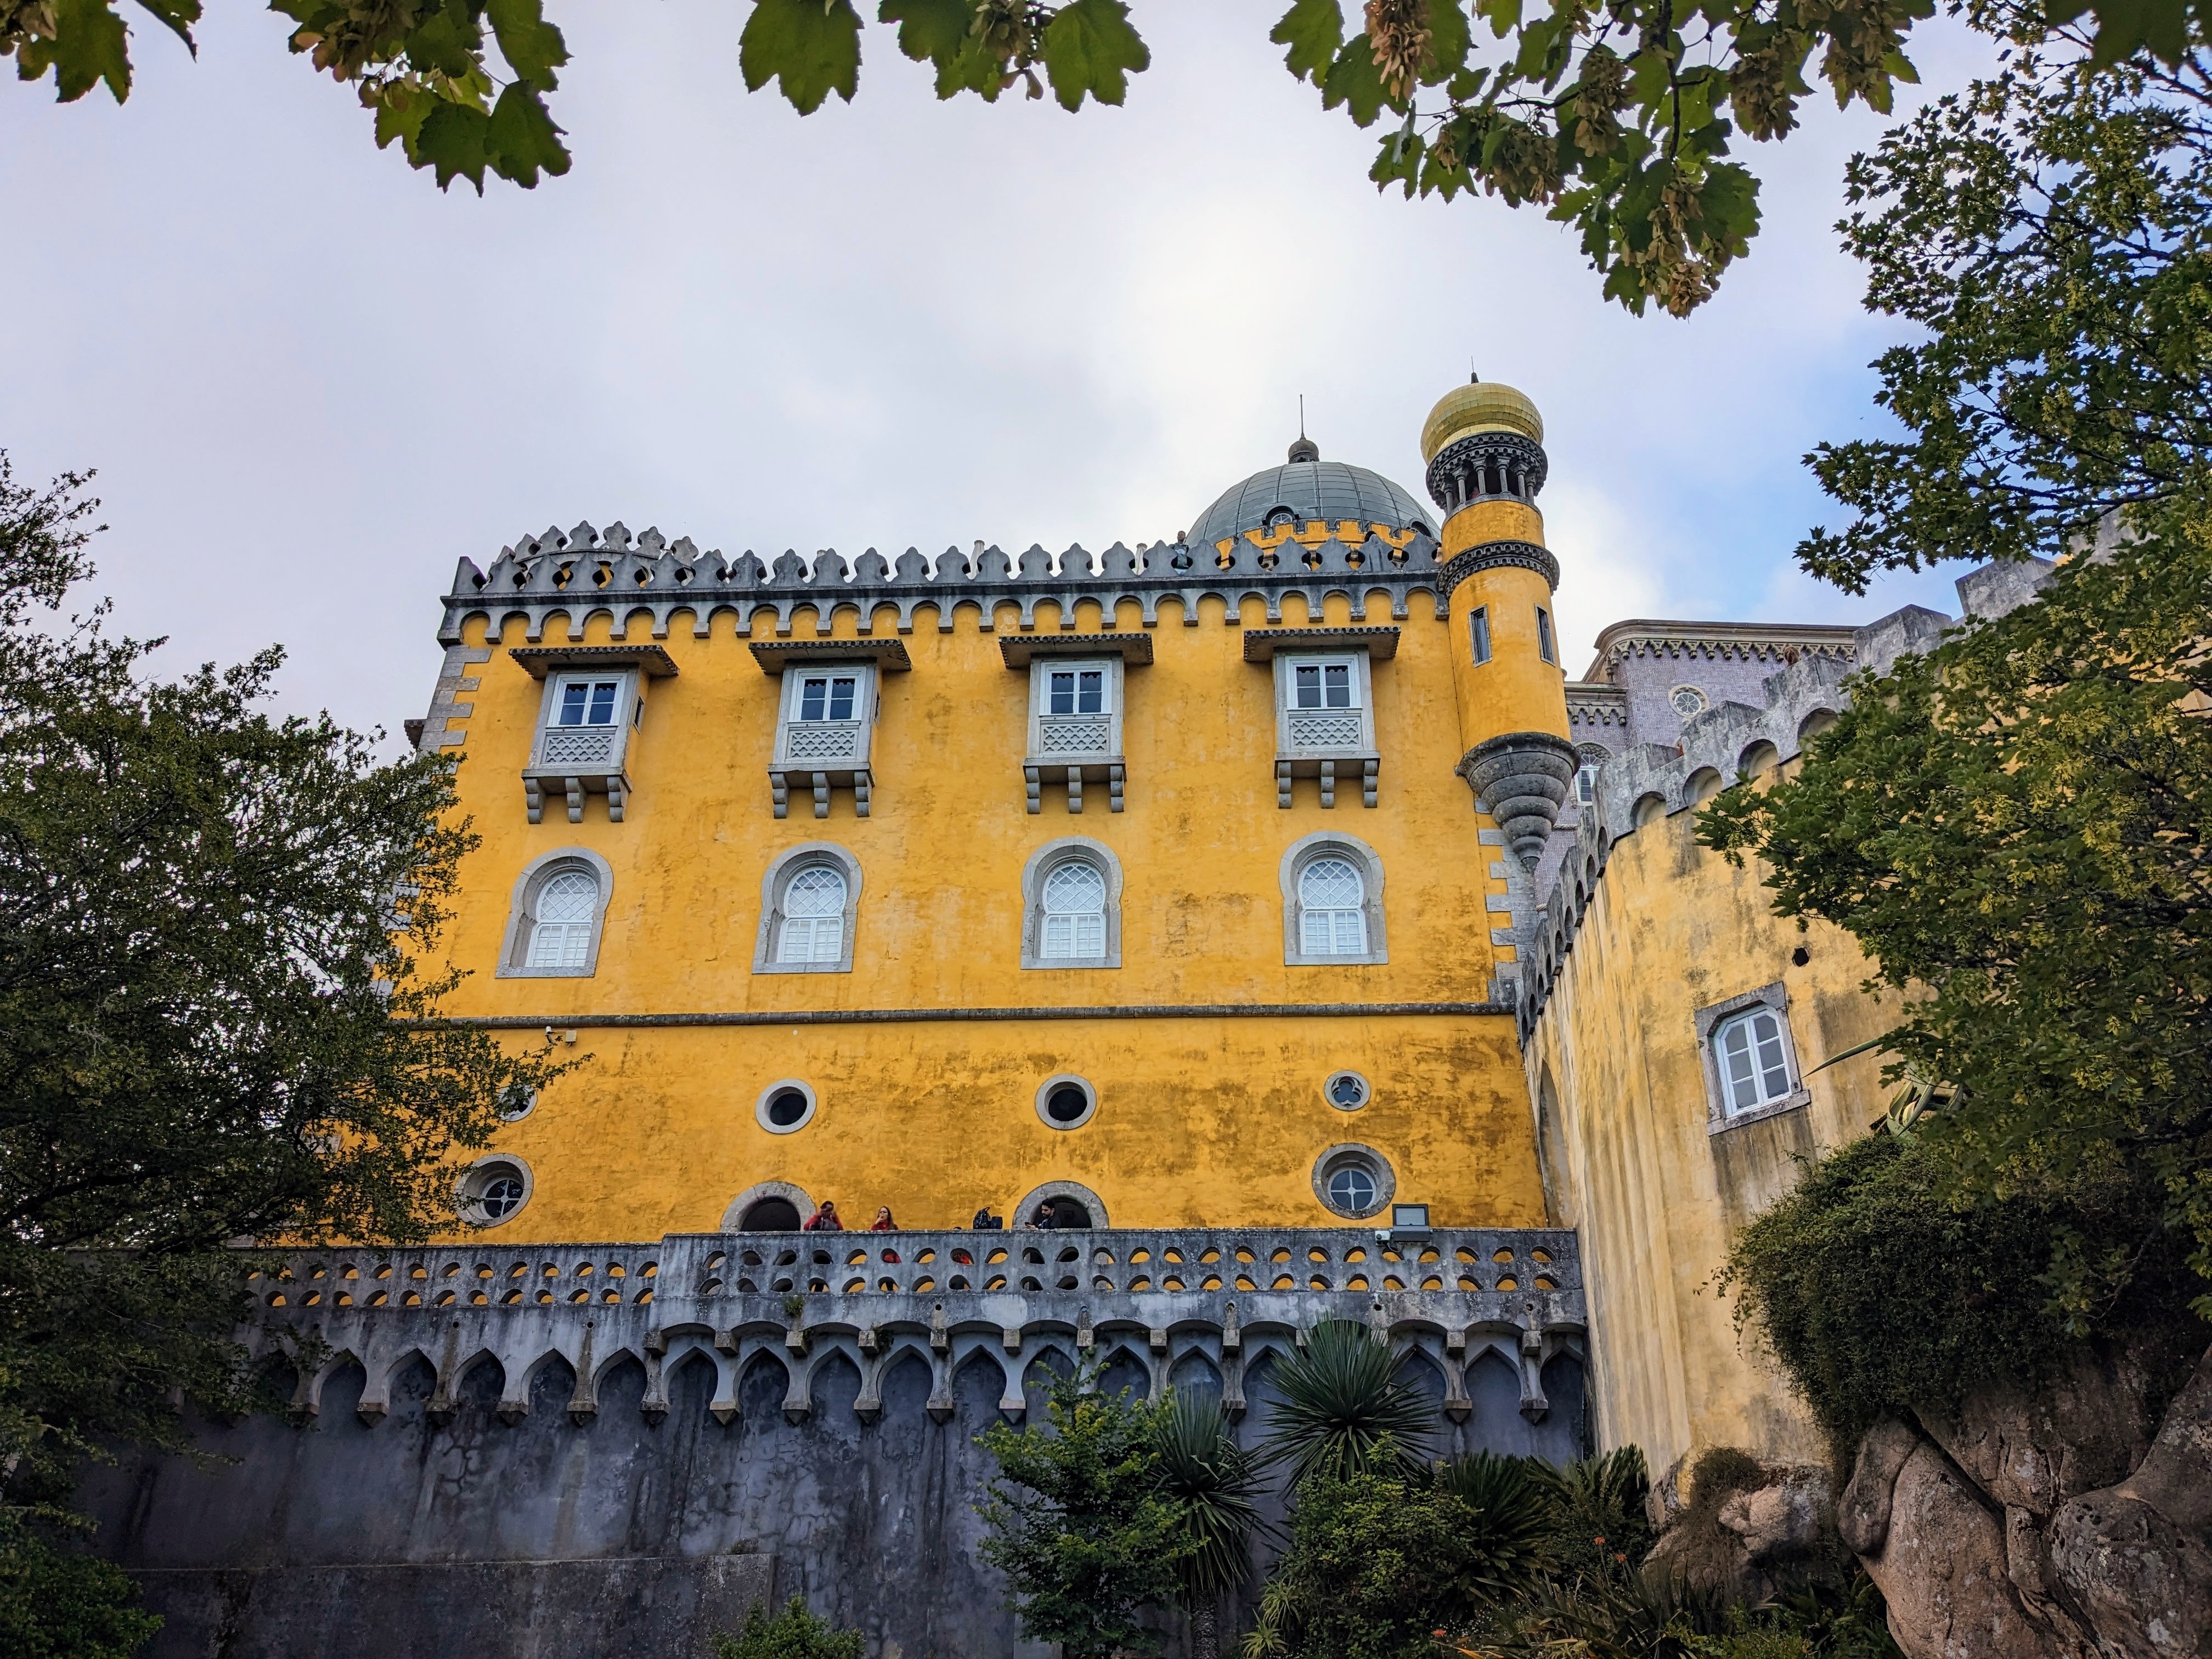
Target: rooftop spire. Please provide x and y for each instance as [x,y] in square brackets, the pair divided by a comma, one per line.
[1305,449]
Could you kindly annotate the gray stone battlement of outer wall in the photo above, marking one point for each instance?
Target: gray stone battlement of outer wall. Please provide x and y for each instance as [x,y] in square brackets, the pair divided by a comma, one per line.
[589,573]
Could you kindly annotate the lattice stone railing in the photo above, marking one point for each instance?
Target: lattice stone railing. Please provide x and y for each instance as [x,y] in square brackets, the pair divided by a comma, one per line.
[587,747]
[1325,730]
[1074,737]
[821,740]
[1156,1296]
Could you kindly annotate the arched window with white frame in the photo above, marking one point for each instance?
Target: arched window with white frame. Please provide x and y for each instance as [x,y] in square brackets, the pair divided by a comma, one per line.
[1332,901]
[1072,905]
[810,905]
[556,916]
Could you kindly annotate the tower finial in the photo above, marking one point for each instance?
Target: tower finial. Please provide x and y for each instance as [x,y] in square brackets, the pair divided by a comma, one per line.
[1305,449]
[1301,414]
[1472,378]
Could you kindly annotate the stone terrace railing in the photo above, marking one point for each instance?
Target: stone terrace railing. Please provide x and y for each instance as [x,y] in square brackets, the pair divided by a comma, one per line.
[1163,1299]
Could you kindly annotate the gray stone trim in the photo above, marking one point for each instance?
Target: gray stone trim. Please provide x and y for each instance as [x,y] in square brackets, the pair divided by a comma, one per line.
[760,1105]
[775,656]
[1780,643]
[1718,1118]
[1386,1178]
[1019,650]
[1521,779]
[1044,1091]
[521,913]
[538,660]
[469,1187]
[1490,555]
[1366,1091]
[454,679]
[760,1190]
[1066,850]
[776,879]
[1019,1212]
[1451,473]
[1296,857]
[962,1016]
[1260,644]
[552,574]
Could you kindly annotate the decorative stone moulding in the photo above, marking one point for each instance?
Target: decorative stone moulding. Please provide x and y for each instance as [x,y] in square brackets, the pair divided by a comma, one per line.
[1490,555]
[1487,466]
[1158,1296]
[588,574]
[1075,748]
[1522,780]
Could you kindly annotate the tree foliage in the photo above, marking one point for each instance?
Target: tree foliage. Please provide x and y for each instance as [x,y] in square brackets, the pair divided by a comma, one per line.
[794,1633]
[1343,1409]
[1615,118]
[1214,1485]
[215,930]
[2046,233]
[1077,1519]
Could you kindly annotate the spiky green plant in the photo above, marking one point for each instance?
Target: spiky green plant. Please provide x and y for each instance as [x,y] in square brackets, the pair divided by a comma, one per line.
[1343,1410]
[1512,1531]
[1215,1485]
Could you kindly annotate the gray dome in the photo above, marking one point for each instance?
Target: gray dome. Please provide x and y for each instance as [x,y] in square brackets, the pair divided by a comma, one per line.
[1311,489]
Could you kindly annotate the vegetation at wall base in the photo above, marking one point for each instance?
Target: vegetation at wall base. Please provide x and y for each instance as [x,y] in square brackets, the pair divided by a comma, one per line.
[213,932]
[794,1633]
[1343,1410]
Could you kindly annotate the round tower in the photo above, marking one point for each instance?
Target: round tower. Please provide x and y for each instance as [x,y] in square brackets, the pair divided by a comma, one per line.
[1484,445]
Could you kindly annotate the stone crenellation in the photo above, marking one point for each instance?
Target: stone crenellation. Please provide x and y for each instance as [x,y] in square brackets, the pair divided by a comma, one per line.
[622,576]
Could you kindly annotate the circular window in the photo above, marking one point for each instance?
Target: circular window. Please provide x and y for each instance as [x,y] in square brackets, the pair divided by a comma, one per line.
[1354,1182]
[494,1190]
[1066,1102]
[1347,1090]
[516,1102]
[784,1107]
[1687,701]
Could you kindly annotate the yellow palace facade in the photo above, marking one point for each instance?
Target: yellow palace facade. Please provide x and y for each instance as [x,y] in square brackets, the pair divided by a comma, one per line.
[1171,886]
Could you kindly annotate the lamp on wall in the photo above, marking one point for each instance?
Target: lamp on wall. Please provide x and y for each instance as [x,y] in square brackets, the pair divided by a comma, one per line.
[1407,1221]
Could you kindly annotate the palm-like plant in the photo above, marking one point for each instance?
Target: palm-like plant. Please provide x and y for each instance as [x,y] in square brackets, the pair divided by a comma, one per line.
[1343,1410]
[1215,1483]
[1512,1533]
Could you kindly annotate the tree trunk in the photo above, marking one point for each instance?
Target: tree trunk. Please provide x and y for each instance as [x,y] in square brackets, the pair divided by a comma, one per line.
[1204,1632]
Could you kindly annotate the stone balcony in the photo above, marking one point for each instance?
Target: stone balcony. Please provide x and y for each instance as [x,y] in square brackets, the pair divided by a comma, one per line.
[1187,1306]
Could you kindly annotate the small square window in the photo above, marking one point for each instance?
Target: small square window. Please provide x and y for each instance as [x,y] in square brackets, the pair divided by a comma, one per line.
[1751,1065]
[1478,628]
[588,702]
[1322,685]
[1077,692]
[826,697]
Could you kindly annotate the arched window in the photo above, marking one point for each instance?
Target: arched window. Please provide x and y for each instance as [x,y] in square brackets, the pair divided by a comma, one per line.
[1332,914]
[561,937]
[813,917]
[809,902]
[1072,905]
[1332,901]
[1754,1061]
[1074,912]
[555,918]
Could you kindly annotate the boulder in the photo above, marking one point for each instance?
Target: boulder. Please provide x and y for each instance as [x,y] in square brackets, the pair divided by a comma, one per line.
[1862,1516]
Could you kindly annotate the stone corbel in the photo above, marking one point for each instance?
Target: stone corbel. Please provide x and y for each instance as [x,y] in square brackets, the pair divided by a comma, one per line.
[533,797]
[575,788]
[799,1399]
[441,1409]
[1533,1406]
[940,1405]
[584,1401]
[654,1406]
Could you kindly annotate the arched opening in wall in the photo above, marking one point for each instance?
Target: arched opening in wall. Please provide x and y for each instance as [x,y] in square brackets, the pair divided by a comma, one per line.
[1195,1374]
[1650,809]
[341,1396]
[1815,723]
[1704,783]
[1494,1385]
[481,1384]
[1068,1213]
[1037,1379]
[552,1386]
[761,1391]
[1564,1433]
[276,1381]
[1758,758]
[770,1215]
[1125,1370]
[835,1386]
[622,1390]
[691,1388]
[905,1388]
[411,1387]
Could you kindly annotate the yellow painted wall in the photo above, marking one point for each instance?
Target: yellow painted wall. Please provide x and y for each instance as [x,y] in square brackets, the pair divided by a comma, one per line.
[1218,1121]
[1616,1075]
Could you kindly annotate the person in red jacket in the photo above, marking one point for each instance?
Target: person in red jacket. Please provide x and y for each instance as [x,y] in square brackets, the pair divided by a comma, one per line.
[824,1220]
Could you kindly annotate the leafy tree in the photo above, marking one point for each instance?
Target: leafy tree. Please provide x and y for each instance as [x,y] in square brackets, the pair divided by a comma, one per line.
[1214,1485]
[1343,1410]
[1615,118]
[2046,232]
[1077,1520]
[794,1633]
[213,933]
[1384,1560]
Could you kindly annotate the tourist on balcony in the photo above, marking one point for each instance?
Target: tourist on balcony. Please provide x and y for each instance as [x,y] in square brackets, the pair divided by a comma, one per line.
[883,1223]
[985,1222]
[1044,1219]
[824,1220]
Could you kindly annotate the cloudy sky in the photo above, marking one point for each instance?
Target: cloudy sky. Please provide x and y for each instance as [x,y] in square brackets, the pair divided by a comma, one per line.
[310,382]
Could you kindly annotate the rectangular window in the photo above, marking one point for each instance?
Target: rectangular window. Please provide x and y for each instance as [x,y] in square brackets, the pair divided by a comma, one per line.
[826,697]
[588,702]
[1322,685]
[1545,649]
[811,939]
[1478,628]
[1077,692]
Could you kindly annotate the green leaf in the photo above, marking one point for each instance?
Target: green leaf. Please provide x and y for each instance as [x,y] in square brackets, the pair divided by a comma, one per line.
[1090,46]
[1314,31]
[533,48]
[89,44]
[451,44]
[1449,40]
[522,139]
[929,31]
[451,140]
[401,109]
[1353,79]
[179,15]
[810,48]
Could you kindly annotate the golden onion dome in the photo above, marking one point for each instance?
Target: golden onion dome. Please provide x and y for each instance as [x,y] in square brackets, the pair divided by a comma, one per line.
[1479,406]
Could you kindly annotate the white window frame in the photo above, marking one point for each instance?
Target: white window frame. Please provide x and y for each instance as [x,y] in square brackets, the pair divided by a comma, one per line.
[550,771]
[1547,643]
[468,1191]
[1048,761]
[1299,753]
[522,913]
[1068,849]
[1478,634]
[1720,1115]
[1378,1171]
[797,758]
[775,883]
[1325,844]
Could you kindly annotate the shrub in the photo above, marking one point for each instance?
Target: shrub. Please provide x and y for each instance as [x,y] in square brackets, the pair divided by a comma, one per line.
[794,1633]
